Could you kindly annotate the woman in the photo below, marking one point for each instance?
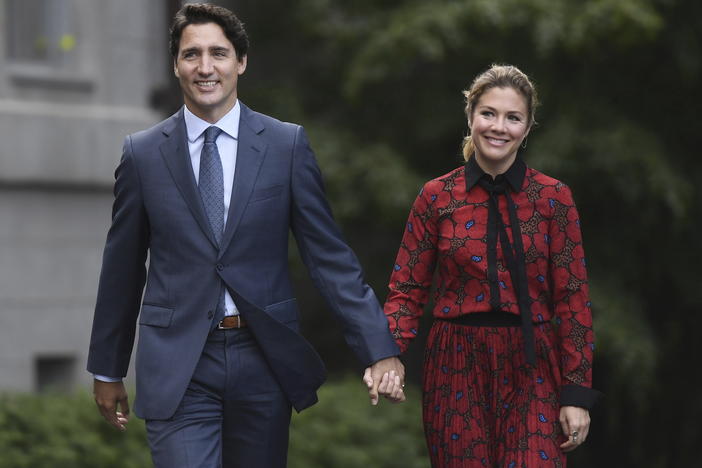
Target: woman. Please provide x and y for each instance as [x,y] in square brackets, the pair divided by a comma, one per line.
[508,363]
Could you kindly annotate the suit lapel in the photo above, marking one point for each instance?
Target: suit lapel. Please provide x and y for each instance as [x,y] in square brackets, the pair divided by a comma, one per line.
[251,151]
[177,157]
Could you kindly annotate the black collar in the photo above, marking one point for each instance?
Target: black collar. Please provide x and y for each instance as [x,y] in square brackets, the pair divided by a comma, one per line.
[514,175]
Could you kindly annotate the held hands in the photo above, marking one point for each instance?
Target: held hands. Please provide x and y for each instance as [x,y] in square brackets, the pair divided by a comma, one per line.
[386,377]
[575,422]
[107,396]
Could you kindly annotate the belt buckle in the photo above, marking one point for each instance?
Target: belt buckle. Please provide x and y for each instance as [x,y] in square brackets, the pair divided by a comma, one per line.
[238,323]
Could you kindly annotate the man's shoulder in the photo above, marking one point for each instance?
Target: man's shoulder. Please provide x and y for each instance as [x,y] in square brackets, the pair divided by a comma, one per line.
[260,121]
[159,130]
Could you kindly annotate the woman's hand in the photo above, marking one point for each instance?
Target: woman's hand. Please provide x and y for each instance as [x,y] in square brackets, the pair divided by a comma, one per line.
[575,422]
[386,377]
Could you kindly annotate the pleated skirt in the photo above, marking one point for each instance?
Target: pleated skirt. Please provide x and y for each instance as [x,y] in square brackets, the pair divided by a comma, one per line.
[483,405]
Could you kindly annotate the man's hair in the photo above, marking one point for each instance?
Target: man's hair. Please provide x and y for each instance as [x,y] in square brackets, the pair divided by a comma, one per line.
[202,13]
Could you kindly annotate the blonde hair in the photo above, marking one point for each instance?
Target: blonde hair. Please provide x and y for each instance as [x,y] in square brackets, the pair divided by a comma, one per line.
[498,76]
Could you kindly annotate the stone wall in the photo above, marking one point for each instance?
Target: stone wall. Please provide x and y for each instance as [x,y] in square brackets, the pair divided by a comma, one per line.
[62,123]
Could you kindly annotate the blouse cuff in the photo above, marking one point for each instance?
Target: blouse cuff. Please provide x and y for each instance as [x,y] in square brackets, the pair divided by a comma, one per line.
[576,395]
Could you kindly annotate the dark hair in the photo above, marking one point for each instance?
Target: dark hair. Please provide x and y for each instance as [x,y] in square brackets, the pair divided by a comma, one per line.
[499,76]
[202,13]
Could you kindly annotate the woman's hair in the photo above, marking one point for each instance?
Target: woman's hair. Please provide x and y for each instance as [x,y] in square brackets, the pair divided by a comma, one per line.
[498,76]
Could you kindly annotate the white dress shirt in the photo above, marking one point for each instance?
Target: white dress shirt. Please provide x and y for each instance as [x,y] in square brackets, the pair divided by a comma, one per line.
[227,145]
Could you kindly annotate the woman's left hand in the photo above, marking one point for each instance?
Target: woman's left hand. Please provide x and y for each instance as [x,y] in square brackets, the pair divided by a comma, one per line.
[575,422]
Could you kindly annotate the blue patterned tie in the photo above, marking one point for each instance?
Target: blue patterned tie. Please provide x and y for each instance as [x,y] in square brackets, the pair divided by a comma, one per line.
[211,183]
[211,186]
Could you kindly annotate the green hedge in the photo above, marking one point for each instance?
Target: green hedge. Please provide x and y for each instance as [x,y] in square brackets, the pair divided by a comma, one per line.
[55,431]
[342,430]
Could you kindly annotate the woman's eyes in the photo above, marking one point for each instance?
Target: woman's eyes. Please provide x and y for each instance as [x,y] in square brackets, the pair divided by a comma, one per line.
[490,114]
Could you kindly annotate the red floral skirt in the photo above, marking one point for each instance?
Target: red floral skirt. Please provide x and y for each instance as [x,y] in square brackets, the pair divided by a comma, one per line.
[483,405]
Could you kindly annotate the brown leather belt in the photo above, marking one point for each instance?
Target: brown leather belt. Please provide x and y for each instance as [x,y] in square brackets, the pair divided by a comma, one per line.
[232,321]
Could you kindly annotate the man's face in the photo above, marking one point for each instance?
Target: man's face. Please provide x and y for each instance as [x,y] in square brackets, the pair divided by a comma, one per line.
[208,70]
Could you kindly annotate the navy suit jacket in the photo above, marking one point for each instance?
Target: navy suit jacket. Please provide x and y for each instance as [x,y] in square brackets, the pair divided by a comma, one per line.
[158,213]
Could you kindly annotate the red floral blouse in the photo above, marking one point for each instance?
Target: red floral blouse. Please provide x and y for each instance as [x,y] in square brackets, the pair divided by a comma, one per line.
[448,227]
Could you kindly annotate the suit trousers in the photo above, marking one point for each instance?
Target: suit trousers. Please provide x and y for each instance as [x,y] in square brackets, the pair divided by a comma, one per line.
[233,414]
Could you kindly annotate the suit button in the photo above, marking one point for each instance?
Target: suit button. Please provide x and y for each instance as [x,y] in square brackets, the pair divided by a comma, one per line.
[210,314]
[220,267]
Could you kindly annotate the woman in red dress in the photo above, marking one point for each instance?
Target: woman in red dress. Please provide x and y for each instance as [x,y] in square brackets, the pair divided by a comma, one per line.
[508,362]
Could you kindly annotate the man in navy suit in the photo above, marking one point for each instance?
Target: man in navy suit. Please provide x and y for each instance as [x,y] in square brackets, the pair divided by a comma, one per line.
[209,195]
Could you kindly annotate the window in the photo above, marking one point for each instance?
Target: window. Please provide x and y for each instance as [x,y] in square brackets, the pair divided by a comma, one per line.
[40,31]
[54,373]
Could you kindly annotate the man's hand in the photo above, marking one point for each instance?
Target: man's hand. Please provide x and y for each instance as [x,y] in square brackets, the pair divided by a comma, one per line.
[386,377]
[107,396]
[575,422]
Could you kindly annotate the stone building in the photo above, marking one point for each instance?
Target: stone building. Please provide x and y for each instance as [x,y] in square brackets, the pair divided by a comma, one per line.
[75,77]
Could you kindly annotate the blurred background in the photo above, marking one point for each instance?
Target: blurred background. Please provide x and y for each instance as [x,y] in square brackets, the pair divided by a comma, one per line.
[377,84]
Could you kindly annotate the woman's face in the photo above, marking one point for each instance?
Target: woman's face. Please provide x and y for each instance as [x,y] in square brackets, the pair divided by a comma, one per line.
[499,124]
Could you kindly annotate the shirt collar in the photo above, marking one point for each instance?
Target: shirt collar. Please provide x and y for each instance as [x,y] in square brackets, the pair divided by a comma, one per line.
[229,123]
[514,175]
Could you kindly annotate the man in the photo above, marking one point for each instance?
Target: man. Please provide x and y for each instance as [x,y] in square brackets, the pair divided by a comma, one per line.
[210,195]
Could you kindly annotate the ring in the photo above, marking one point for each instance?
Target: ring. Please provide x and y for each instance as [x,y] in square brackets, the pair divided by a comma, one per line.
[575,436]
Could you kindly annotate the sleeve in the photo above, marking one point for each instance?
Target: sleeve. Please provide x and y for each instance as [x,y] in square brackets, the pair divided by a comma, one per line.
[122,276]
[331,263]
[571,302]
[104,378]
[413,271]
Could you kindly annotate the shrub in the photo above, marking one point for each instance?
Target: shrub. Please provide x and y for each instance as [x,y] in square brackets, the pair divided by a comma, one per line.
[66,431]
[341,431]
[344,431]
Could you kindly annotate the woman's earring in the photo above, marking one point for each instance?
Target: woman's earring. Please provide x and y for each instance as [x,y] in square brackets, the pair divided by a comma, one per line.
[524,143]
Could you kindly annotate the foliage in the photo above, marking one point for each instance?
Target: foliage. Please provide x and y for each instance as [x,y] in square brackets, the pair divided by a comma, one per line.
[49,431]
[366,181]
[342,430]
